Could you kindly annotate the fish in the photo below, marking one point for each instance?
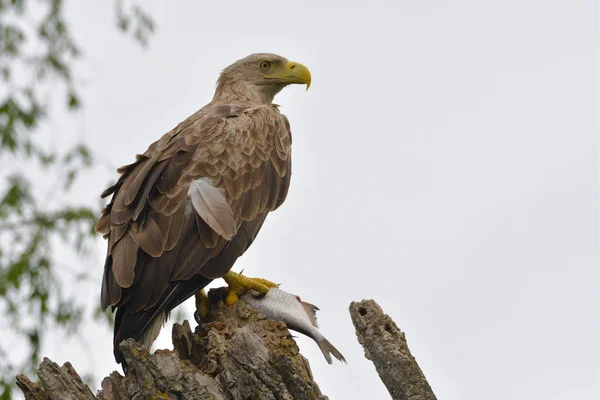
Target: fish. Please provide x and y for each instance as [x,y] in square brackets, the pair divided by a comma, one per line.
[298,315]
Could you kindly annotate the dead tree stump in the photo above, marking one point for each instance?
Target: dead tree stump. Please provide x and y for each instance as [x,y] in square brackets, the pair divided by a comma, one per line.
[385,345]
[236,353]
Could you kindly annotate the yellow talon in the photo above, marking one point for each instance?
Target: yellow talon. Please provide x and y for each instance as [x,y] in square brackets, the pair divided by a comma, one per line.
[202,305]
[239,284]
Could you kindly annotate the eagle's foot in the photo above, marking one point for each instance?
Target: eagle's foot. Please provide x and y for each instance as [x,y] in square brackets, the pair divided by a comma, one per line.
[239,284]
[202,306]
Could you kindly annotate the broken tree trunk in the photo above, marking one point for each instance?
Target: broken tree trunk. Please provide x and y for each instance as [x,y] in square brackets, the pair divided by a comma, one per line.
[385,345]
[236,353]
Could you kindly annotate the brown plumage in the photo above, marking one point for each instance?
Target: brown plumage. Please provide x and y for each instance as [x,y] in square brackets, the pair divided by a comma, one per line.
[189,206]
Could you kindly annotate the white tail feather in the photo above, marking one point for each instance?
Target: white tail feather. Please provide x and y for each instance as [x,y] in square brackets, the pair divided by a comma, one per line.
[152,332]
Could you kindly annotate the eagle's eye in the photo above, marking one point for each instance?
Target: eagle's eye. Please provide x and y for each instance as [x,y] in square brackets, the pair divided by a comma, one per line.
[265,65]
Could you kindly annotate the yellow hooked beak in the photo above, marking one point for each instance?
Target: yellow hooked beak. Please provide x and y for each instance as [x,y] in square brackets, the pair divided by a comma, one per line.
[293,72]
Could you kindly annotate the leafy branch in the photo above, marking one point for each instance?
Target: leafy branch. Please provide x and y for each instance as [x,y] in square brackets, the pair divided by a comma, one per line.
[38,51]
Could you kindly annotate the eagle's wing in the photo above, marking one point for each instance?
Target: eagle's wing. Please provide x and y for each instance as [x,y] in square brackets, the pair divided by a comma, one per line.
[188,207]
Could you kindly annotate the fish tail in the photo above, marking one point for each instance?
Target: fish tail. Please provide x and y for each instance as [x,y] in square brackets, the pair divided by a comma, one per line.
[327,348]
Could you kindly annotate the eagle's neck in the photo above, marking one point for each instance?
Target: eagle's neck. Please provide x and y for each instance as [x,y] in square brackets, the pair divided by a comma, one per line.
[232,91]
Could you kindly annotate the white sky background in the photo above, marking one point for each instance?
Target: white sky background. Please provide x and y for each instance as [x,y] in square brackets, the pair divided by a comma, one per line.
[444,165]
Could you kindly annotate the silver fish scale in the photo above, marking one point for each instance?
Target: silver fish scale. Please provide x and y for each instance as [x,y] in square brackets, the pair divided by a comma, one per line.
[280,305]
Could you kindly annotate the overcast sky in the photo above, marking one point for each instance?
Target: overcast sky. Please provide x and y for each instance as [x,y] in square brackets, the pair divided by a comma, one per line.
[444,165]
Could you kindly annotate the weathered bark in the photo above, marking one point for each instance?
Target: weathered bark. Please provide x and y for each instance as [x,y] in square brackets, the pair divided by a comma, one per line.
[385,345]
[30,389]
[57,383]
[234,354]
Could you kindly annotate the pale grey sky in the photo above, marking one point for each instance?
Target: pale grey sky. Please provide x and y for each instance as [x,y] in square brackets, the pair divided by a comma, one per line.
[445,164]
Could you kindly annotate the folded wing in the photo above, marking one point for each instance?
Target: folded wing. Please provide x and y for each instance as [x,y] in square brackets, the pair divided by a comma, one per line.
[188,207]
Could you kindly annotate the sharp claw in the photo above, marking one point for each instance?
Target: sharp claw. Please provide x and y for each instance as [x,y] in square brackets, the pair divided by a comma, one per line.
[239,284]
[202,306]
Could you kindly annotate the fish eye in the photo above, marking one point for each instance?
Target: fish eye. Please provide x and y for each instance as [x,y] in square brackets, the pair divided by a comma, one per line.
[265,65]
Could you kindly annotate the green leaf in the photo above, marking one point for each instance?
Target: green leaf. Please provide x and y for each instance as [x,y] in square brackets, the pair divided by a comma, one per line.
[73,101]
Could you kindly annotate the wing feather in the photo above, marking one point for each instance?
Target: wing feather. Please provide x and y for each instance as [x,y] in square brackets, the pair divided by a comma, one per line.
[175,229]
[111,291]
[149,238]
[275,186]
[103,224]
[170,202]
[142,199]
[251,206]
[235,187]
[208,237]
[124,256]
[210,203]
[141,174]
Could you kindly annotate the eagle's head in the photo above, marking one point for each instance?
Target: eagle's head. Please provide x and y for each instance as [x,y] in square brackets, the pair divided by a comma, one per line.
[259,77]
